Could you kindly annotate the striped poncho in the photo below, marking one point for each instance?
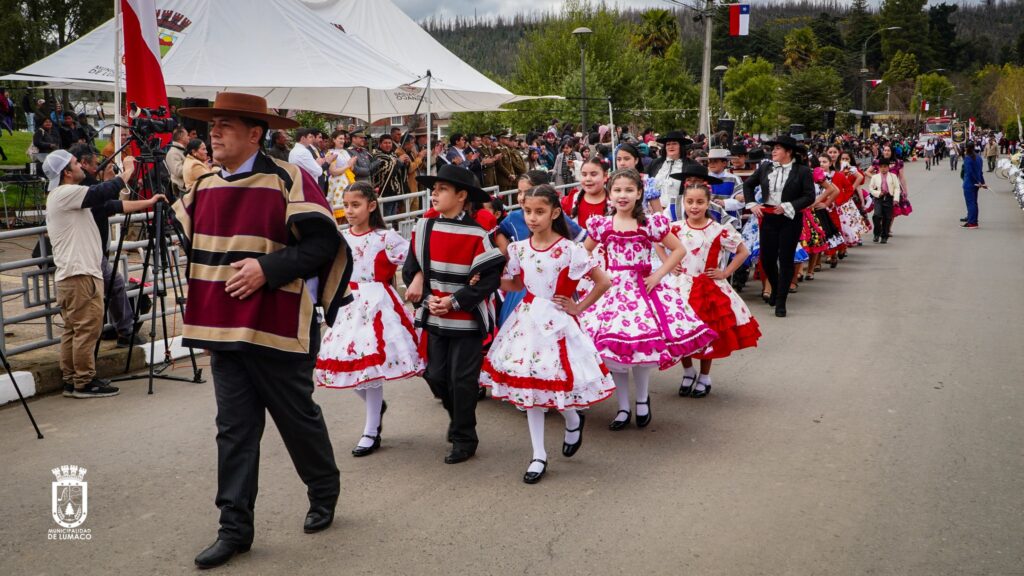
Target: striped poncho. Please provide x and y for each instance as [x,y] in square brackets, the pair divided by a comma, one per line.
[261,214]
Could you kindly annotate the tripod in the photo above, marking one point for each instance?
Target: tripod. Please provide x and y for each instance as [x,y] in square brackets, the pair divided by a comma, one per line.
[10,374]
[157,257]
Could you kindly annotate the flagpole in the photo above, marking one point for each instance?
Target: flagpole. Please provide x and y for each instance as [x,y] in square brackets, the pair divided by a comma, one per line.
[429,118]
[117,74]
[704,122]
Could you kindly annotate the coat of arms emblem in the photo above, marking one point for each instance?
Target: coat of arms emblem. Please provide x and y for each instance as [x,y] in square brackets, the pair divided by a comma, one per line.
[70,501]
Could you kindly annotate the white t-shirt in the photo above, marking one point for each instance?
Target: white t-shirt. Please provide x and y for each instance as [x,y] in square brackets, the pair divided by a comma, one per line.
[73,232]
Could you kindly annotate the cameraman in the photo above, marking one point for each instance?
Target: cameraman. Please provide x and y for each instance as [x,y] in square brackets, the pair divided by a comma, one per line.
[120,307]
[77,252]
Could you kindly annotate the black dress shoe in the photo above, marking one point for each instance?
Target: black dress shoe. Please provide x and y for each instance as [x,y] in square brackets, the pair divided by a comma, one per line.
[457,455]
[620,424]
[684,389]
[780,311]
[318,518]
[219,553]
[772,299]
[360,451]
[964,219]
[643,421]
[383,409]
[702,393]
[569,449]
[534,477]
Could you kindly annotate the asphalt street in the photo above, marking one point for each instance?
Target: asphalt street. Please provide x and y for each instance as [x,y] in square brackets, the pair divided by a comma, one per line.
[876,430]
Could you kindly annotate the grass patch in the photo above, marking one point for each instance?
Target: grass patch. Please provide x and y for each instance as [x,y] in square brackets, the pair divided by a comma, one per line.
[16,144]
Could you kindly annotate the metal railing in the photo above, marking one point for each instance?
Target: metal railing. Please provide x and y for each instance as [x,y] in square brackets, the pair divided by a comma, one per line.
[38,290]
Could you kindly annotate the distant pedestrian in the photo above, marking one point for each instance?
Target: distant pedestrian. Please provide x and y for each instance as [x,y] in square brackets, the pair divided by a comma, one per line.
[973,179]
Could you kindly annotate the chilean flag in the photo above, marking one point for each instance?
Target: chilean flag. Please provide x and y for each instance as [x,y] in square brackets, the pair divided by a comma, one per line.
[739,19]
[145,79]
[925,106]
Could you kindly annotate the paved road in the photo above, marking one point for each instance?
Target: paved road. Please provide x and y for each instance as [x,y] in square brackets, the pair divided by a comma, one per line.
[877,430]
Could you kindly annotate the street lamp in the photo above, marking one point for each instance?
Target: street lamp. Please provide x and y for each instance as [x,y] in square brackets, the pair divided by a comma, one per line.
[864,69]
[581,34]
[721,68]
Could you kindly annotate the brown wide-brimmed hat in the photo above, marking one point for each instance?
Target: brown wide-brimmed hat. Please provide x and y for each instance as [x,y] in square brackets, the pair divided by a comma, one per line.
[242,105]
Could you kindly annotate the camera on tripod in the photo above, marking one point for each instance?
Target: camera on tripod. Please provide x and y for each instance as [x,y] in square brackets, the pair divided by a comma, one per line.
[146,121]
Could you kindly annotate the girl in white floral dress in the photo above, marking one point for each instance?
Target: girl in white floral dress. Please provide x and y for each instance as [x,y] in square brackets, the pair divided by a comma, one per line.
[541,358]
[373,338]
[641,323]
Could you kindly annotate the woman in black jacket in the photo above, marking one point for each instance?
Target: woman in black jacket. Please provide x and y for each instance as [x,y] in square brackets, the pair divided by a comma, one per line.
[46,140]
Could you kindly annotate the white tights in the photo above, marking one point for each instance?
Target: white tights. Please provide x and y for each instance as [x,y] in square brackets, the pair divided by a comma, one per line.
[535,420]
[374,398]
[642,380]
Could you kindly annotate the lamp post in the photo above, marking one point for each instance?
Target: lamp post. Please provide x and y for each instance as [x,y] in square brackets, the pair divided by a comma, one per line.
[581,34]
[721,69]
[864,70]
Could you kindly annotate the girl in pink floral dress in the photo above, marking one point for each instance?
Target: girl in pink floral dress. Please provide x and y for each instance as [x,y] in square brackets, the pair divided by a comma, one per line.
[641,323]
[705,285]
[373,338]
[541,358]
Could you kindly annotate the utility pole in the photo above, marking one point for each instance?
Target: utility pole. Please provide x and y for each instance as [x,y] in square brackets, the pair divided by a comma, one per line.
[704,123]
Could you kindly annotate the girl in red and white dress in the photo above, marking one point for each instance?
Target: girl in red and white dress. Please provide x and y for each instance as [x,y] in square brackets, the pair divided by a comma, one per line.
[541,358]
[373,338]
[705,285]
[642,323]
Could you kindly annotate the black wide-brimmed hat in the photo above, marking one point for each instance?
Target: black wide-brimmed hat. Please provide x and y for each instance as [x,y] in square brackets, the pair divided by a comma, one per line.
[784,140]
[676,136]
[756,155]
[738,150]
[461,178]
[693,170]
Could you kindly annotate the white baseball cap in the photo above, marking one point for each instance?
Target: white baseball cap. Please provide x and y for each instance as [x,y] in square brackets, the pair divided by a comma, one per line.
[54,165]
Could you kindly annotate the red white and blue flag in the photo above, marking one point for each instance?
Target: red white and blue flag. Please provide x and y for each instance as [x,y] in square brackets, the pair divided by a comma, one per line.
[145,79]
[739,19]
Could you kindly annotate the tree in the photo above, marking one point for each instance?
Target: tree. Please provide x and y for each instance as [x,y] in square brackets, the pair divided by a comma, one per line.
[1008,97]
[657,31]
[942,35]
[1020,49]
[800,49]
[933,88]
[859,25]
[910,16]
[902,66]
[807,92]
[752,89]
[827,31]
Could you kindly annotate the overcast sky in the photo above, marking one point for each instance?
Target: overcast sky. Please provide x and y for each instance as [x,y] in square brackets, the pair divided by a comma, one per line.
[420,9]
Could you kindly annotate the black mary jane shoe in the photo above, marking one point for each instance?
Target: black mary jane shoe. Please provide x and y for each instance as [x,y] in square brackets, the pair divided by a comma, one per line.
[218,553]
[318,518]
[360,451]
[534,477]
[685,390]
[569,449]
[617,425]
[697,393]
[643,421]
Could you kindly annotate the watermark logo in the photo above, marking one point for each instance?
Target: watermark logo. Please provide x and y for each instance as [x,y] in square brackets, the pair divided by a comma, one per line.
[69,503]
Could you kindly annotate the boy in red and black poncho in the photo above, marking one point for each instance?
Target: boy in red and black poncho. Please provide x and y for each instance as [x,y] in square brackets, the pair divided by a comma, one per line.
[456,317]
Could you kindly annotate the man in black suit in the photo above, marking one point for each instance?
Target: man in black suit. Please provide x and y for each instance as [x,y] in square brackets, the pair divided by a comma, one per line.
[787,187]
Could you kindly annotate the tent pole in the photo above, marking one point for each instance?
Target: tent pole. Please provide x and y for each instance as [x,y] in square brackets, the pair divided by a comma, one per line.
[429,118]
[117,74]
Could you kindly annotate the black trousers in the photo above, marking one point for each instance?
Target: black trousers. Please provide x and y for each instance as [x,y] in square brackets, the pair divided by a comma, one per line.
[881,218]
[779,237]
[247,386]
[453,373]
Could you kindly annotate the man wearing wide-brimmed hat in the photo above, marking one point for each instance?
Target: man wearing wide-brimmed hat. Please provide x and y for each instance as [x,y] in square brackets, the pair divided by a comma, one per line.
[718,165]
[787,187]
[264,251]
[455,315]
[676,144]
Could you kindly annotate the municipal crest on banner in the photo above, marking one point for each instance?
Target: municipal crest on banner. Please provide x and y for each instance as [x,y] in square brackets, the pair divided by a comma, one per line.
[172,29]
[70,496]
[959,132]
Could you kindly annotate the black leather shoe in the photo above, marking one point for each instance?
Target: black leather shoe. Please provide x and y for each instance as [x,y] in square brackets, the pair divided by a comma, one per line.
[318,518]
[457,455]
[620,424]
[771,300]
[780,311]
[569,449]
[684,388]
[219,553]
[964,219]
[643,421]
[360,451]
[702,393]
[534,477]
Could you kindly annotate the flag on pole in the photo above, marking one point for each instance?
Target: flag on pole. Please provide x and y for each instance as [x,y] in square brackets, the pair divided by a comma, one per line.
[874,83]
[145,82]
[925,106]
[739,19]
